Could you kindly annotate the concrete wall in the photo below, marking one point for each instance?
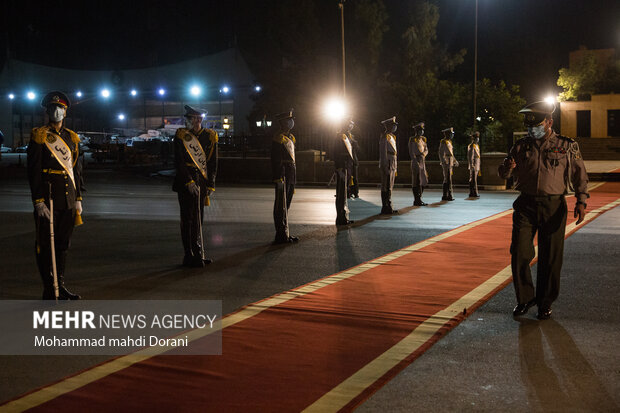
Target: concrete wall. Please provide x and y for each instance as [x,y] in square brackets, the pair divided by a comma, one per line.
[598,107]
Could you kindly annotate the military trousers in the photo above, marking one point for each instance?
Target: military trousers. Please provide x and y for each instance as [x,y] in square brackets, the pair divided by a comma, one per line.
[63,229]
[387,179]
[284,191]
[473,182]
[545,215]
[447,175]
[342,209]
[192,215]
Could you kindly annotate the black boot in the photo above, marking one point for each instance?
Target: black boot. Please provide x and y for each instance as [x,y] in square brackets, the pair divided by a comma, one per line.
[417,195]
[445,192]
[389,203]
[63,293]
[384,207]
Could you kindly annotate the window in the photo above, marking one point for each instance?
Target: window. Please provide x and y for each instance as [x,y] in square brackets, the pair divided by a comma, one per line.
[583,124]
[613,123]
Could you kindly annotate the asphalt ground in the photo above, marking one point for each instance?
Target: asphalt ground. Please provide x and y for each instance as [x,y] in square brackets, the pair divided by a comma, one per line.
[130,248]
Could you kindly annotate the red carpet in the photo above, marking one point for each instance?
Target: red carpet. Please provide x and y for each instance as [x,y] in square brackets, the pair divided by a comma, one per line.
[288,356]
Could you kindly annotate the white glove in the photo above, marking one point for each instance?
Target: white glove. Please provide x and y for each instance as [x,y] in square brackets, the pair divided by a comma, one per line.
[42,210]
[456,163]
[193,189]
[78,207]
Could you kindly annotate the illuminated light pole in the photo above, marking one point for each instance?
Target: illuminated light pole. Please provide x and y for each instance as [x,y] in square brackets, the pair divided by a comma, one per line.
[341,6]
[11,96]
[31,95]
[162,93]
[475,63]
[224,90]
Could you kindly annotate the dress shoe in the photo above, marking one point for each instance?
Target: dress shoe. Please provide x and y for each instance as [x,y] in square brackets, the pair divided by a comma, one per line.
[64,294]
[279,241]
[207,261]
[544,313]
[344,222]
[187,261]
[420,203]
[521,309]
[293,239]
[196,262]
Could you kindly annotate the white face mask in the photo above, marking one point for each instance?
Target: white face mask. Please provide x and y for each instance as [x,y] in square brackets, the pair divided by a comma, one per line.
[290,123]
[56,114]
[536,132]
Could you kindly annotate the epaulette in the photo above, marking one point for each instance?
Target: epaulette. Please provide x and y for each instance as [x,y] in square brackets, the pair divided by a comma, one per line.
[74,136]
[40,134]
[213,136]
[180,133]
[570,140]
[281,138]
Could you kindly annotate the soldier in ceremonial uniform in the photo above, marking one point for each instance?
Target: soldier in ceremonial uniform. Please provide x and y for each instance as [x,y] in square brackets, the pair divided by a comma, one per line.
[284,175]
[343,162]
[473,159]
[545,167]
[388,164]
[448,161]
[195,158]
[54,178]
[418,151]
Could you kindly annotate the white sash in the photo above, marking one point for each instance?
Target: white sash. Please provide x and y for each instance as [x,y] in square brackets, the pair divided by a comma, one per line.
[196,152]
[347,143]
[290,146]
[392,140]
[61,151]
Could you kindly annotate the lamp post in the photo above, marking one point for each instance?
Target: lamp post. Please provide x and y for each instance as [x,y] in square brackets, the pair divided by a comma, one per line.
[475,63]
[341,7]
[162,93]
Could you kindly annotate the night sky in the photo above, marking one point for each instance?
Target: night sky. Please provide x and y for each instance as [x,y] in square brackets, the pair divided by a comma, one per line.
[524,42]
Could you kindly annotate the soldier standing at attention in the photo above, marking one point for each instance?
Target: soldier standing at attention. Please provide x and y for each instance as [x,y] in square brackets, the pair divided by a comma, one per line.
[388,164]
[545,167]
[343,162]
[418,151]
[284,175]
[473,158]
[448,161]
[195,159]
[53,175]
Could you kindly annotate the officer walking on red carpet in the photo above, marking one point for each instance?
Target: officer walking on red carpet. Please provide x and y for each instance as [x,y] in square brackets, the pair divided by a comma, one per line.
[284,175]
[545,167]
[448,161]
[418,150]
[388,164]
[473,160]
[195,159]
[55,184]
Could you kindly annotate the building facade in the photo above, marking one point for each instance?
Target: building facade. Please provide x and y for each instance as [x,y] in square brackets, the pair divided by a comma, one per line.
[595,118]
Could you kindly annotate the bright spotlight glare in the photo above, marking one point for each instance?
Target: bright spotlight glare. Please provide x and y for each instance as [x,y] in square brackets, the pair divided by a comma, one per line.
[121,116]
[335,109]
[257,88]
[162,92]
[550,99]
[31,95]
[78,94]
[225,89]
[195,90]
[11,96]
[105,93]
[134,92]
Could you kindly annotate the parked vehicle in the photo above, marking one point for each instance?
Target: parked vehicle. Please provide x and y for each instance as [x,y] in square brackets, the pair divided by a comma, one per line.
[5,149]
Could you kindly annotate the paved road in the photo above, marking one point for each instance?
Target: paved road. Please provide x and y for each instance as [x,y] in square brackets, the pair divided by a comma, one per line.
[129,248]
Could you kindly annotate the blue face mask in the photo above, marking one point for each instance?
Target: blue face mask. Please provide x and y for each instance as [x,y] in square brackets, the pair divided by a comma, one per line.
[536,132]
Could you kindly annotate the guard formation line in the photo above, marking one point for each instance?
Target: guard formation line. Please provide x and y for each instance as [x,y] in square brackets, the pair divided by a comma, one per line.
[544,165]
